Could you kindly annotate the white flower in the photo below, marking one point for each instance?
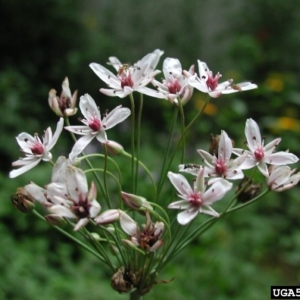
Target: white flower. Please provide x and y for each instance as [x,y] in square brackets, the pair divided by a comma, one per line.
[197,199]
[221,165]
[207,83]
[175,84]
[65,105]
[68,195]
[282,178]
[260,155]
[94,127]
[34,149]
[129,78]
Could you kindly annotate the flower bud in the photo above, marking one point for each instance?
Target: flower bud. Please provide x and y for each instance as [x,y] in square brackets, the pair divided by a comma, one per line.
[135,202]
[114,148]
[22,200]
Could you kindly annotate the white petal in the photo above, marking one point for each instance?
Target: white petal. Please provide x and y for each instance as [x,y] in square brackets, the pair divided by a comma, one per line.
[56,135]
[263,168]
[281,158]
[107,76]
[172,67]
[116,116]
[225,147]
[182,204]
[79,129]
[80,145]
[76,183]
[150,92]
[128,224]
[207,157]
[25,168]
[59,170]
[253,135]
[271,146]
[215,192]
[61,211]
[180,183]
[88,107]
[208,211]
[36,192]
[187,216]
[81,223]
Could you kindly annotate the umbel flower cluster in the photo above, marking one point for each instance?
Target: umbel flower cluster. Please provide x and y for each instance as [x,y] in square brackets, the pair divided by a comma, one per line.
[134,236]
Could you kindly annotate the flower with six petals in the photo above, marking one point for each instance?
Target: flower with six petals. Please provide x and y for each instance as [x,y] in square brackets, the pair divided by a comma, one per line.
[260,155]
[94,126]
[129,78]
[34,149]
[207,83]
[197,199]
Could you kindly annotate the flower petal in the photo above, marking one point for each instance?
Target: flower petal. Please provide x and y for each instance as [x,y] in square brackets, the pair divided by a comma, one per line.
[187,216]
[180,183]
[253,135]
[116,116]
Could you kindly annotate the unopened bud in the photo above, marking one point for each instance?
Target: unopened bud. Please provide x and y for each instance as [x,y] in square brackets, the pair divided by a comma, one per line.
[22,200]
[55,220]
[114,148]
[135,202]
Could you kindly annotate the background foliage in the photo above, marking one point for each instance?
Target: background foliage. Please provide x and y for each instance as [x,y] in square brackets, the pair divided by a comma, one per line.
[44,41]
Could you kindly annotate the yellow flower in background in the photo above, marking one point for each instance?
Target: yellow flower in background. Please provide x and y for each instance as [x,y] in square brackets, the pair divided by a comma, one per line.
[275,82]
[287,123]
[210,109]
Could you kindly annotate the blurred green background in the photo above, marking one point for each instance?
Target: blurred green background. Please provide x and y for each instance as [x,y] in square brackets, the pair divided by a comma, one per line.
[44,41]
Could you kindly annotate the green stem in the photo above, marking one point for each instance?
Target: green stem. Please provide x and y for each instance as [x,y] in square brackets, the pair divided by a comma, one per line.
[71,238]
[145,168]
[133,142]
[138,141]
[135,296]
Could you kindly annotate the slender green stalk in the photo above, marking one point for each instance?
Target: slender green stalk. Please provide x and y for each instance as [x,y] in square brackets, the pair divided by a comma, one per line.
[133,150]
[167,151]
[71,237]
[138,141]
[145,168]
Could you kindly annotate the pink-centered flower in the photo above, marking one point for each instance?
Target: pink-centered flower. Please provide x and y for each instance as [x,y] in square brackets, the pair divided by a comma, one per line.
[129,78]
[196,199]
[206,82]
[94,126]
[35,149]
[259,154]
[68,195]
[65,105]
[175,85]
[222,165]
[282,178]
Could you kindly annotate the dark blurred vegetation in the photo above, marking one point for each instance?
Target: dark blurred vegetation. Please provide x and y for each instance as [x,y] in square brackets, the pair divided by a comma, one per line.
[44,41]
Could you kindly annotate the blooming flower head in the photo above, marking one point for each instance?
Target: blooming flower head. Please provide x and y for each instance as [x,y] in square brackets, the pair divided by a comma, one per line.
[175,83]
[222,165]
[147,238]
[35,149]
[196,199]
[282,178]
[68,195]
[65,105]
[94,126]
[129,78]
[206,82]
[260,155]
